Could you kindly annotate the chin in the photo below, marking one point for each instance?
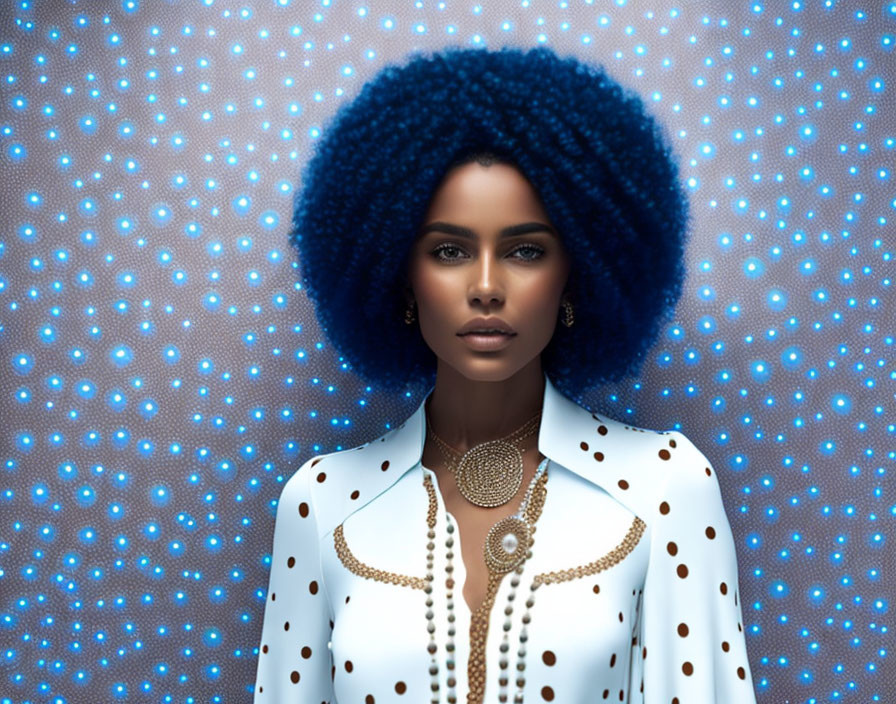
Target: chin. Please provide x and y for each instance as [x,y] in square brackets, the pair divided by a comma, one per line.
[494,369]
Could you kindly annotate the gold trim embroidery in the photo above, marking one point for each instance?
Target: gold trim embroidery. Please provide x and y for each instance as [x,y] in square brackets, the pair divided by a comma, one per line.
[355,566]
[615,556]
[479,621]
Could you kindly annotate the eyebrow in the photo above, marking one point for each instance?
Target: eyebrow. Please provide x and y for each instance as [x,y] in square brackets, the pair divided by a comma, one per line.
[511,231]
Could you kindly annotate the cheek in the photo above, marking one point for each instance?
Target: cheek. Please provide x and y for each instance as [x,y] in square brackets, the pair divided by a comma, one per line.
[541,301]
[433,289]
[438,309]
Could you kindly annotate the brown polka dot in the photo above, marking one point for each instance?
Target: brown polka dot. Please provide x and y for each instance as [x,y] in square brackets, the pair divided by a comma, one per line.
[314,462]
[400,688]
[620,617]
[675,700]
[260,689]
[687,669]
[672,548]
[740,627]
[273,596]
[606,693]
[549,658]
[348,666]
[683,630]
[312,587]
[643,652]
[664,454]
[682,570]
[306,652]
[385,465]
[623,484]
[708,472]
[321,477]
[583,445]
[741,673]
[547,694]
[664,508]
[621,694]
[723,588]
[710,532]
[286,626]
[672,443]
[369,699]
[725,646]
[264,648]
[294,677]
[303,510]
[355,494]
[613,660]
[602,429]
[599,456]
[347,598]
[291,562]
[596,589]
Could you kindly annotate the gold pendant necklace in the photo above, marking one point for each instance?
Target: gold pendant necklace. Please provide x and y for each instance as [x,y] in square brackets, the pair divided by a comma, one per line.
[489,474]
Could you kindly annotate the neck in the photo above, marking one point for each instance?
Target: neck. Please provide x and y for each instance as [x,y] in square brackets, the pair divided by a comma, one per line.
[465,412]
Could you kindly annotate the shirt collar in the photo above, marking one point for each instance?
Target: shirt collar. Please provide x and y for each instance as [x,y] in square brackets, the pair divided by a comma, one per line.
[569,435]
[561,421]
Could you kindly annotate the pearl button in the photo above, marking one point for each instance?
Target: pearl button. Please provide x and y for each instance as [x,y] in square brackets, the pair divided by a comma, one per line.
[510,543]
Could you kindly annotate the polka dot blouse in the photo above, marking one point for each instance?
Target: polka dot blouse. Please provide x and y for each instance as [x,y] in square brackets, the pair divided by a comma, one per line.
[629,592]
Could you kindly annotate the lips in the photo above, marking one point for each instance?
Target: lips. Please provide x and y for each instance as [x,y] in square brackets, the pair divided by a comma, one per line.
[486,326]
[487,342]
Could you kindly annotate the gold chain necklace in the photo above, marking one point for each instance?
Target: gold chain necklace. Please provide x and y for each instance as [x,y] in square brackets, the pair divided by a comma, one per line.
[488,474]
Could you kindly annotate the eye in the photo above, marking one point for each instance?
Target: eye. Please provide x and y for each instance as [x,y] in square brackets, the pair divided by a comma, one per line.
[450,249]
[530,252]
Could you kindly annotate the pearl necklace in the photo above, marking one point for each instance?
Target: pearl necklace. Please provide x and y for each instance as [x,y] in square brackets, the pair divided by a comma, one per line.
[512,559]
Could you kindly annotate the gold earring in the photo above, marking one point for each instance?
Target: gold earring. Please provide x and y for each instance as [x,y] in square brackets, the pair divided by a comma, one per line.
[409,316]
[568,317]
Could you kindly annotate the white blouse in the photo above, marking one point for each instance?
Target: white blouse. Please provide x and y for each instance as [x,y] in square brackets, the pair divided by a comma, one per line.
[630,593]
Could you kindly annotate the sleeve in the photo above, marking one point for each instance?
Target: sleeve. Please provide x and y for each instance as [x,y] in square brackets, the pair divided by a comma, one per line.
[294,661]
[690,645]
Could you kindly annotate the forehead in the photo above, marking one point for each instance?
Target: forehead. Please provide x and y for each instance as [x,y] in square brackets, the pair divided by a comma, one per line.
[497,191]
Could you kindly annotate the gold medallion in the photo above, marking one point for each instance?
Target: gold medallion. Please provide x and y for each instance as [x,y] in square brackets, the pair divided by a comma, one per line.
[491,474]
[506,544]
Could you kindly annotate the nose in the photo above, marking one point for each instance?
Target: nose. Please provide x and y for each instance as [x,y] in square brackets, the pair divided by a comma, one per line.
[486,286]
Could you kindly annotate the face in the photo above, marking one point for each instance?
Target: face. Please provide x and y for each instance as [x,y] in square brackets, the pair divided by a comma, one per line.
[487,250]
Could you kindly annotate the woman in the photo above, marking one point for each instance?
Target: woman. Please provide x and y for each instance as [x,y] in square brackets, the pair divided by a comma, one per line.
[504,543]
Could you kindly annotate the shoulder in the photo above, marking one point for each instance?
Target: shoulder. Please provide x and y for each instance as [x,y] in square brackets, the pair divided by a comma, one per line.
[641,466]
[334,485]
[687,486]
[673,464]
[673,484]
[296,492]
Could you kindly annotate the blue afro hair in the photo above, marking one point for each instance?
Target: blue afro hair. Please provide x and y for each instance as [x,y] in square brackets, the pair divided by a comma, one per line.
[601,165]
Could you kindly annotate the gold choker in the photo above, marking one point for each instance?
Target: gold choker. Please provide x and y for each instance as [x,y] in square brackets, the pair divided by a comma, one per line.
[489,474]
